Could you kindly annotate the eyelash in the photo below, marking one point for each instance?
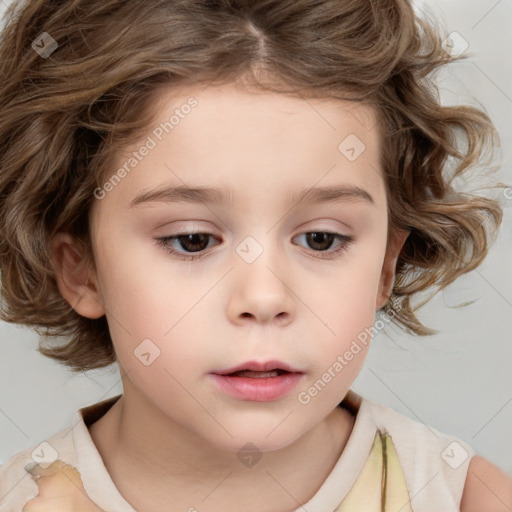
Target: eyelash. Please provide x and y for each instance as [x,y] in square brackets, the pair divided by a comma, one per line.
[345,241]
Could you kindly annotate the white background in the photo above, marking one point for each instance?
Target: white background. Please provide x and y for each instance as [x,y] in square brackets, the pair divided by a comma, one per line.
[459,382]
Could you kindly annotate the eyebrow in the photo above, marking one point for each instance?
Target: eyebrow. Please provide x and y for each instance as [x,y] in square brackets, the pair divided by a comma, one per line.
[209,195]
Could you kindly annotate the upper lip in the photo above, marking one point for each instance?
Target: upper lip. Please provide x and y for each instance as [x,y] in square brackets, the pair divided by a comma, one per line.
[258,367]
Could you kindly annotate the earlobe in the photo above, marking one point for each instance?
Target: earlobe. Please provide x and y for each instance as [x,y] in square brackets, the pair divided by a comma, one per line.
[76,281]
[387,278]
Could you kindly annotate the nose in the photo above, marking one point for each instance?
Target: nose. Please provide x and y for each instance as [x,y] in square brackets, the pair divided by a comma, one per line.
[261,292]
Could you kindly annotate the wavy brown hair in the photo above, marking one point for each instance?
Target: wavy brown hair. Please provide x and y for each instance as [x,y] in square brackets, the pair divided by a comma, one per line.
[64,118]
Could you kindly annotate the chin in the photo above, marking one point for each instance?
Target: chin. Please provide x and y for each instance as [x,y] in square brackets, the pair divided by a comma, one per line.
[258,437]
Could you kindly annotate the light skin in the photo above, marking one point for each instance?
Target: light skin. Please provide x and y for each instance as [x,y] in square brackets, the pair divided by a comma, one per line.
[173,437]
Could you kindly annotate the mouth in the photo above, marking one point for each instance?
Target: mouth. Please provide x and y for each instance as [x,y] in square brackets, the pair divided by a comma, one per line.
[255,381]
[256,374]
[256,369]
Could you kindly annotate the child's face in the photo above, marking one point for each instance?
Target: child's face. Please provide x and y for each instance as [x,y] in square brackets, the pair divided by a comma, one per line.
[259,291]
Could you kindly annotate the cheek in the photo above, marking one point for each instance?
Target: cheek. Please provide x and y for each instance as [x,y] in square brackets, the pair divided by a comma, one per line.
[347,332]
[141,293]
[347,296]
[153,308]
[347,309]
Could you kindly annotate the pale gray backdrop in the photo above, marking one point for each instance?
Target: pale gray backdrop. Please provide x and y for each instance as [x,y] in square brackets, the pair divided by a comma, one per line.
[459,382]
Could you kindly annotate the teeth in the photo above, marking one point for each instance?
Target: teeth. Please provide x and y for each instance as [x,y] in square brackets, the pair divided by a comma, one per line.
[257,375]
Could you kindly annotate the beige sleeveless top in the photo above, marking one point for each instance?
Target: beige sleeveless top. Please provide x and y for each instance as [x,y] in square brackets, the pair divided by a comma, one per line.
[388,456]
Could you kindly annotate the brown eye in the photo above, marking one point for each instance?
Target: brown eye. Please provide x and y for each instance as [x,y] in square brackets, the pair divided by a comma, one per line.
[188,243]
[193,242]
[322,241]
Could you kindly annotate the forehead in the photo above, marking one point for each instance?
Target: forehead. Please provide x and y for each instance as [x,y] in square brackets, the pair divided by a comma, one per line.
[246,141]
[249,111]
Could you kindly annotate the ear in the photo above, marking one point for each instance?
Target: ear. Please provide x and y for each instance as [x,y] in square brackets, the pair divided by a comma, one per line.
[75,277]
[387,277]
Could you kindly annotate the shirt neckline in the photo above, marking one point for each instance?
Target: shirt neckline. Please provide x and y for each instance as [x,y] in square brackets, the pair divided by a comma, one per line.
[351,461]
[101,489]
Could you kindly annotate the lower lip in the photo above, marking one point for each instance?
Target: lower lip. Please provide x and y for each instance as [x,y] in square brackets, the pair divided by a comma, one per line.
[256,389]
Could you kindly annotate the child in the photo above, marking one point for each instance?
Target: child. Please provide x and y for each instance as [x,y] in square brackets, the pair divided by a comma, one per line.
[219,195]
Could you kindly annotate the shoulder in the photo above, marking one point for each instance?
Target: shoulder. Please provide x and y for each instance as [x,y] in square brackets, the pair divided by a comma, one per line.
[434,463]
[422,439]
[487,488]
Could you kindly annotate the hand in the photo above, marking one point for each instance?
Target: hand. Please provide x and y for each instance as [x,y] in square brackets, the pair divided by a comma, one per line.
[60,490]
